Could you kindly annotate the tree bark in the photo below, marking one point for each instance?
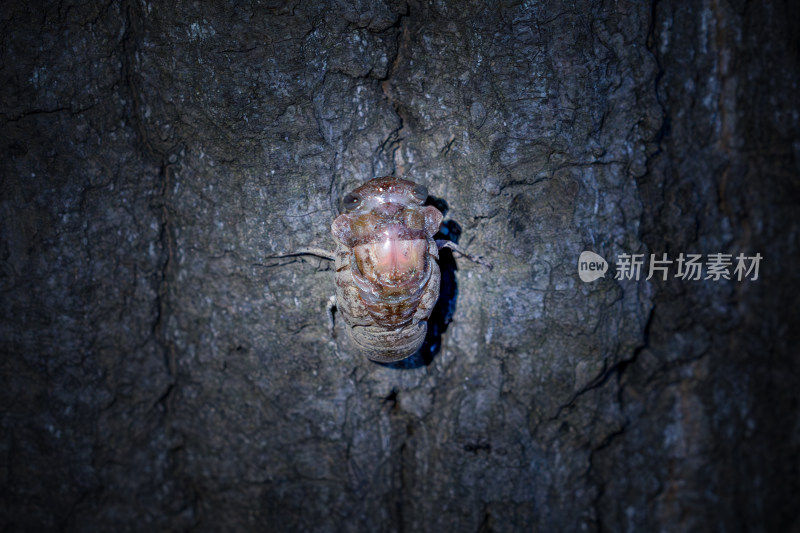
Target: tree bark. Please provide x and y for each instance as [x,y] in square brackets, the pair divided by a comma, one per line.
[163,370]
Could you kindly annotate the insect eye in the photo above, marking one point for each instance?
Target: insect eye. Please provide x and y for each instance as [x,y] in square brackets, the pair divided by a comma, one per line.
[420,193]
[350,201]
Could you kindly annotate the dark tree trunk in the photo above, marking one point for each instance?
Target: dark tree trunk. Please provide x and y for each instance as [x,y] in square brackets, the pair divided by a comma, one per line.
[161,372]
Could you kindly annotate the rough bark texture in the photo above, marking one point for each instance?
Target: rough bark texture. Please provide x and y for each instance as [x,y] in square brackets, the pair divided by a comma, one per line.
[162,372]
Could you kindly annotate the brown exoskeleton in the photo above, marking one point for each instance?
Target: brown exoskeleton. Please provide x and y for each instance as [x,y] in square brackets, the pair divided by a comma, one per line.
[387,278]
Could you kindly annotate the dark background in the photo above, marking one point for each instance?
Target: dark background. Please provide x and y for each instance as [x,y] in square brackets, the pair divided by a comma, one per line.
[161,373]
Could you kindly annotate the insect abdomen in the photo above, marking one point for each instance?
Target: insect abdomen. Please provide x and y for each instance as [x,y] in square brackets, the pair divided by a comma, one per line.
[389,345]
[381,342]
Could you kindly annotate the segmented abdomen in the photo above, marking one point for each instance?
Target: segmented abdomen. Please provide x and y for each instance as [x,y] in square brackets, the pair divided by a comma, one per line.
[386,325]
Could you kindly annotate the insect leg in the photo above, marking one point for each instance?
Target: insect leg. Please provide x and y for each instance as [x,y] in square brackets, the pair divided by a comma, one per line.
[460,251]
[318,252]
